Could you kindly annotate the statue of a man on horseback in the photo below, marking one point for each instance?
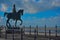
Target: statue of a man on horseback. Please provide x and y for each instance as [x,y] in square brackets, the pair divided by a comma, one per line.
[14,15]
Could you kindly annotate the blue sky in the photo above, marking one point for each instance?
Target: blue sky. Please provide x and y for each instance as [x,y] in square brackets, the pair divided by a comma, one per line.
[36,12]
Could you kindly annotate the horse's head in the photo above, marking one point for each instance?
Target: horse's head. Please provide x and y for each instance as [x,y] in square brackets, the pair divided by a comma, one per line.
[21,11]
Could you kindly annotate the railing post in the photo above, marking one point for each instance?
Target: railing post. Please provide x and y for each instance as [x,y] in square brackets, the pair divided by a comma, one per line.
[37,29]
[56,30]
[24,29]
[45,30]
[35,36]
[5,33]
[13,33]
[21,33]
[30,29]
[49,34]
[0,32]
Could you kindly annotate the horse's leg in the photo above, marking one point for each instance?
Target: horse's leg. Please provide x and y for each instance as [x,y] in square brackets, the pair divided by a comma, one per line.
[8,22]
[21,21]
[15,23]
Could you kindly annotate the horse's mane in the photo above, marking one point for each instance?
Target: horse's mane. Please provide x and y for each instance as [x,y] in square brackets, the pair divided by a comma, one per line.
[20,11]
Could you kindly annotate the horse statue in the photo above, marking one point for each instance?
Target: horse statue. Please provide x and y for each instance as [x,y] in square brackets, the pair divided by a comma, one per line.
[15,16]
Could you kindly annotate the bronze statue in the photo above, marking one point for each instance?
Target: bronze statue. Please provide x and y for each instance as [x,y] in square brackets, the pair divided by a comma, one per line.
[14,15]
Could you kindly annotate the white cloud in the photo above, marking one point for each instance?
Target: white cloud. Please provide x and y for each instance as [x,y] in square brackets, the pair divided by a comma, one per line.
[32,6]
[1,19]
[56,3]
[52,21]
[3,7]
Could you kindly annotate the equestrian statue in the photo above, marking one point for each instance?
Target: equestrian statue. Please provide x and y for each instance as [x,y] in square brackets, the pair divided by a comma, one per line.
[14,15]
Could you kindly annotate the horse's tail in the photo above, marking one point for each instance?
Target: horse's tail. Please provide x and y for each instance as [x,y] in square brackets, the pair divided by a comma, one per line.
[5,14]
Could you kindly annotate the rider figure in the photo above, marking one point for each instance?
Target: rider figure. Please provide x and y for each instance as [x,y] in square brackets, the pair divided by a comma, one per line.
[14,9]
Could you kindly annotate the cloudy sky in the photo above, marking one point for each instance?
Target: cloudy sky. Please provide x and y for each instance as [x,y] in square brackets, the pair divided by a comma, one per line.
[36,12]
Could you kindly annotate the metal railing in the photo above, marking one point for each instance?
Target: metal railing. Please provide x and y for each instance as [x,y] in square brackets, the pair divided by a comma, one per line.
[35,33]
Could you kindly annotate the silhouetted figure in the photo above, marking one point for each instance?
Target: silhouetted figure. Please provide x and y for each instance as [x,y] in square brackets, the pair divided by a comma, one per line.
[14,9]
